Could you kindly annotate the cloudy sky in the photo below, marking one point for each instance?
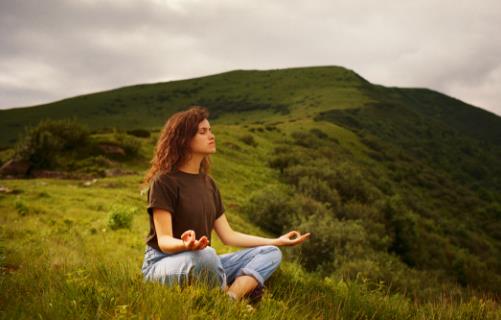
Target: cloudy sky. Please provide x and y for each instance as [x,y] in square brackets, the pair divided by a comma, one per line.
[54,49]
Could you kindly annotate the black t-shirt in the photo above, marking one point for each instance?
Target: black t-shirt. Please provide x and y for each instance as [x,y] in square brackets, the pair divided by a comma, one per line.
[192,199]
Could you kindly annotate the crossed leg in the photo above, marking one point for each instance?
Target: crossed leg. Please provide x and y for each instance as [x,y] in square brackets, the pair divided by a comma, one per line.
[248,268]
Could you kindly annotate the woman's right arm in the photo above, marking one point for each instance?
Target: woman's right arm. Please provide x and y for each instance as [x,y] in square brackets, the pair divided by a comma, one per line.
[163,227]
[166,242]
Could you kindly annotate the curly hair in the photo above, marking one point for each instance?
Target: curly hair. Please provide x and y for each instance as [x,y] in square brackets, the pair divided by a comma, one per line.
[173,145]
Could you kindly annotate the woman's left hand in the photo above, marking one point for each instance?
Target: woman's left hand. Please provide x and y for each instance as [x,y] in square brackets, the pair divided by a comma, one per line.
[291,238]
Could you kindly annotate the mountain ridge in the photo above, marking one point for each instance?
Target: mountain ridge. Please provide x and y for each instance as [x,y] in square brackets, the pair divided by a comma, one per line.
[313,88]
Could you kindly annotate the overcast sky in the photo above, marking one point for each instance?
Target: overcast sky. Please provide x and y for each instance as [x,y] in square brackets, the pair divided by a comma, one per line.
[53,49]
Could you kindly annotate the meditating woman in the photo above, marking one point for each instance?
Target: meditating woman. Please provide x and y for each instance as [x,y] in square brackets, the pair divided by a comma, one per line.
[184,205]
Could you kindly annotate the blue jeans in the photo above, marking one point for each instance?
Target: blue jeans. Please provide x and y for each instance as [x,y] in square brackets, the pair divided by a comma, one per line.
[216,270]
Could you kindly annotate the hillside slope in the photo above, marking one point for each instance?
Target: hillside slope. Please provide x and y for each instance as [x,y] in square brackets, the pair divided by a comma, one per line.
[399,187]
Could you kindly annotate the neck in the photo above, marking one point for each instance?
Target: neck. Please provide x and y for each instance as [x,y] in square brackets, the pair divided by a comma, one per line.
[192,164]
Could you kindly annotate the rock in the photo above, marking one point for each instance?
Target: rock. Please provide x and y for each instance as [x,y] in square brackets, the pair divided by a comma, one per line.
[111,149]
[15,168]
[50,174]
[6,190]
[113,172]
[88,183]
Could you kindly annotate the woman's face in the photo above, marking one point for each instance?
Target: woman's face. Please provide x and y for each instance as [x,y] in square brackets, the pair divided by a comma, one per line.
[204,141]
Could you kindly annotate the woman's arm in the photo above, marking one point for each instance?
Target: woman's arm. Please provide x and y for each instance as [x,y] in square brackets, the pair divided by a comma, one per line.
[232,238]
[166,242]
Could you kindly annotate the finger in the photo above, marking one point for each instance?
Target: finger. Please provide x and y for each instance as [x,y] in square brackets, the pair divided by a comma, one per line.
[203,243]
[304,237]
[196,244]
[300,239]
[188,235]
[293,235]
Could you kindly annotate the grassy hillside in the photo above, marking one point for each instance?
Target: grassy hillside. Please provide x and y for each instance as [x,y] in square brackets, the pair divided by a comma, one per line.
[141,106]
[400,192]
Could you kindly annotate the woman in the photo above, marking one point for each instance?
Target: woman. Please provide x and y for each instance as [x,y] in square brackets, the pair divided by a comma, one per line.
[184,205]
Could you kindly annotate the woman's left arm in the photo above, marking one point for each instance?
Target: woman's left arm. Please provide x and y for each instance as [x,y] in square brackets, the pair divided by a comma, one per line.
[237,239]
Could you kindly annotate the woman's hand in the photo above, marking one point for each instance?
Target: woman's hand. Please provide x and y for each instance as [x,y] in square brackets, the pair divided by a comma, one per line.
[191,243]
[291,238]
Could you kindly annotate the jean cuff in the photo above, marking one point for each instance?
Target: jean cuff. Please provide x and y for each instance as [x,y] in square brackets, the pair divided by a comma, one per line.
[253,273]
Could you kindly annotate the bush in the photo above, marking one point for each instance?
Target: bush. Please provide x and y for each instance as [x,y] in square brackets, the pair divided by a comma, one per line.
[282,157]
[351,184]
[305,139]
[345,178]
[249,140]
[121,217]
[406,241]
[21,207]
[332,243]
[320,191]
[305,207]
[270,209]
[41,144]
[140,133]
[319,133]
[131,145]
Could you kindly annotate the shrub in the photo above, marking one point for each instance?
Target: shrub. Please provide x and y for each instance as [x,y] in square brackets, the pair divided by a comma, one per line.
[21,207]
[320,191]
[372,220]
[284,156]
[249,140]
[42,143]
[140,133]
[319,133]
[131,145]
[121,217]
[332,243]
[351,184]
[402,221]
[305,139]
[270,208]
[317,168]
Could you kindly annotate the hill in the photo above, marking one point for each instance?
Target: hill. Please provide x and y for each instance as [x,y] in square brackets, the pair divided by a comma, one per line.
[399,187]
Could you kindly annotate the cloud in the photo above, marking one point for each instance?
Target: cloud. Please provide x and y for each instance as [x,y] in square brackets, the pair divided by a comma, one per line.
[56,49]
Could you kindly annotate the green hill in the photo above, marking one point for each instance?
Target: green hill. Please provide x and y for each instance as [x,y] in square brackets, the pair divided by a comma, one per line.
[276,91]
[399,188]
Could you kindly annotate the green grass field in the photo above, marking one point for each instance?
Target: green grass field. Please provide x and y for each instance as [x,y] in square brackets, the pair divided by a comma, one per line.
[60,260]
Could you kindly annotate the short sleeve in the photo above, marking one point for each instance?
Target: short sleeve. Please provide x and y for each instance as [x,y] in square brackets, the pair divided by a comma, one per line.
[162,194]
[219,202]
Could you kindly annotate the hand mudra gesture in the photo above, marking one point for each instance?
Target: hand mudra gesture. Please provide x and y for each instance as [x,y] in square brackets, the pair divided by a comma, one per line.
[191,243]
[292,238]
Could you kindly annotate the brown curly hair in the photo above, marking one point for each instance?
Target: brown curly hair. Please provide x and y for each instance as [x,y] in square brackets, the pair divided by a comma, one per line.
[173,145]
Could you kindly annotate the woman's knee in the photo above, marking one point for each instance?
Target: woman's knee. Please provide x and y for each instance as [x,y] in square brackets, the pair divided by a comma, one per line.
[207,258]
[208,267]
[273,252]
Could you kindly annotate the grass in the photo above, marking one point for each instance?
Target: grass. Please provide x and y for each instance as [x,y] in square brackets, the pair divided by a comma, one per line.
[60,260]
[53,269]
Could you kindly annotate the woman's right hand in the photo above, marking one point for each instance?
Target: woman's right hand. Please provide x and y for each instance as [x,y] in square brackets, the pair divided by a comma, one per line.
[191,243]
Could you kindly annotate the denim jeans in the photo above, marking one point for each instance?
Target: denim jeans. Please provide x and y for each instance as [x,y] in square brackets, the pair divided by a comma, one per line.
[216,270]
